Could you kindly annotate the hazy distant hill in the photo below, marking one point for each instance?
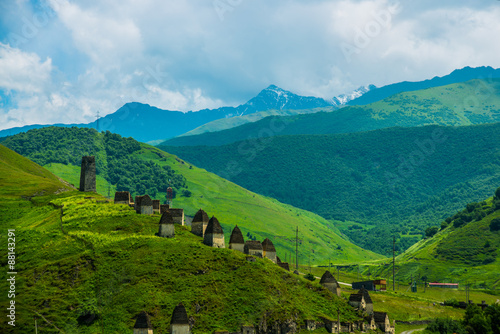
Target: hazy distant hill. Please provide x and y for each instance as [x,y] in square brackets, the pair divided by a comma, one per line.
[472,102]
[391,180]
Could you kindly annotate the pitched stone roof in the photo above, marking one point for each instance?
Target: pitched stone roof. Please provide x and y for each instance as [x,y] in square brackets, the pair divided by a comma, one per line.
[379,316]
[327,278]
[213,227]
[200,216]
[268,246]
[143,321]
[365,294]
[122,196]
[278,260]
[146,201]
[176,212]
[179,316]
[166,218]
[253,244]
[356,297]
[236,236]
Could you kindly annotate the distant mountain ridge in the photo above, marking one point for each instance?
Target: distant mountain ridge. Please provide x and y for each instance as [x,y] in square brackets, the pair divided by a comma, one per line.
[146,123]
[460,75]
[344,99]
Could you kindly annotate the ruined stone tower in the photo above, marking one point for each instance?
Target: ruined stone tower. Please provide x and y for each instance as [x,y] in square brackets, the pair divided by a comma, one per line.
[236,241]
[214,235]
[268,250]
[167,229]
[87,174]
[199,223]
[143,324]
[180,322]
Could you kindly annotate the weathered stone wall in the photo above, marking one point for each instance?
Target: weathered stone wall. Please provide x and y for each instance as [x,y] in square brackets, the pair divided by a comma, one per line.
[166,231]
[238,247]
[178,215]
[270,255]
[156,206]
[214,240]
[143,331]
[333,287]
[146,209]
[180,329]
[198,228]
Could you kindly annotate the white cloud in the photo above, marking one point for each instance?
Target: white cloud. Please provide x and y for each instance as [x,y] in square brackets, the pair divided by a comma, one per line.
[99,54]
[22,71]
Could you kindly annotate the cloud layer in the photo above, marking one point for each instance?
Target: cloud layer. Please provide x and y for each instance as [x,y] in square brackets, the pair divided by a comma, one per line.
[62,61]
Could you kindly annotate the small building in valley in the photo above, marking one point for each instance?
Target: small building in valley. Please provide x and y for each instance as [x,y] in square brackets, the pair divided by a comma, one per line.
[375,285]
[199,223]
[236,240]
[268,250]
[143,324]
[214,235]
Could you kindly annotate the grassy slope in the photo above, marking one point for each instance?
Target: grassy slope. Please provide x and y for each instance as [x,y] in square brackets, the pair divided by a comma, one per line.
[471,102]
[455,254]
[261,216]
[106,265]
[227,123]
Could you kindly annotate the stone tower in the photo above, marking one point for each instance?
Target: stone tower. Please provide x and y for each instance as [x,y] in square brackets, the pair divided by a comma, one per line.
[143,324]
[146,205]
[87,174]
[167,229]
[329,282]
[180,322]
[214,235]
[236,241]
[268,250]
[199,223]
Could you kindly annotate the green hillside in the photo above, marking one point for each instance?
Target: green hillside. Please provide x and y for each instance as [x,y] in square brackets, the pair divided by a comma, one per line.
[397,180]
[465,249]
[98,265]
[141,168]
[231,122]
[472,102]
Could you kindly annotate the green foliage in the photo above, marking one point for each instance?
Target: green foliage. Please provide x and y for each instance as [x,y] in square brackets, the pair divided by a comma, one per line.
[445,326]
[495,224]
[430,231]
[310,277]
[394,195]
[115,158]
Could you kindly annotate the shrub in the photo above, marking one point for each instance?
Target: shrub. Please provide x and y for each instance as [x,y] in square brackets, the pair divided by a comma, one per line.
[430,231]
[495,224]
[310,277]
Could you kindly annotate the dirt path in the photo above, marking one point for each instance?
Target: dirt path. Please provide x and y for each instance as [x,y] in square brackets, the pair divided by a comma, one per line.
[413,330]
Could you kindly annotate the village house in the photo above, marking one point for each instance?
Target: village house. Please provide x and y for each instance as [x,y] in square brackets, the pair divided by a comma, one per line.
[143,324]
[236,240]
[214,235]
[199,223]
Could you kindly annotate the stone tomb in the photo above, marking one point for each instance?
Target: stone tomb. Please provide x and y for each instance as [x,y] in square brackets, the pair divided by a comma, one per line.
[199,223]
[268,250]
[156,206]
[236,241]
[178,215]
[167,229]
[329,282]
[143,324]
[122,197]
[180,322]
[214,235]
[253,247]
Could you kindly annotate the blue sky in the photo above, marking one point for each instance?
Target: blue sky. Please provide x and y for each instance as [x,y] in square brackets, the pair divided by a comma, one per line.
[61,61]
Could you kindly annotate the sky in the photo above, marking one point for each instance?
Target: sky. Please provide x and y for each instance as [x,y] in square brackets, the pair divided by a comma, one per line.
[62,61]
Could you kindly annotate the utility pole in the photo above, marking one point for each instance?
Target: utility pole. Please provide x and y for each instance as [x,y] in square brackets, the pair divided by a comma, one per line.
[393,262]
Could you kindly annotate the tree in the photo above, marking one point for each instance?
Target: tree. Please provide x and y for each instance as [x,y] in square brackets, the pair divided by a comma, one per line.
[493,314]
[430,231]
[495,224]
[497,193]
[445,326]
